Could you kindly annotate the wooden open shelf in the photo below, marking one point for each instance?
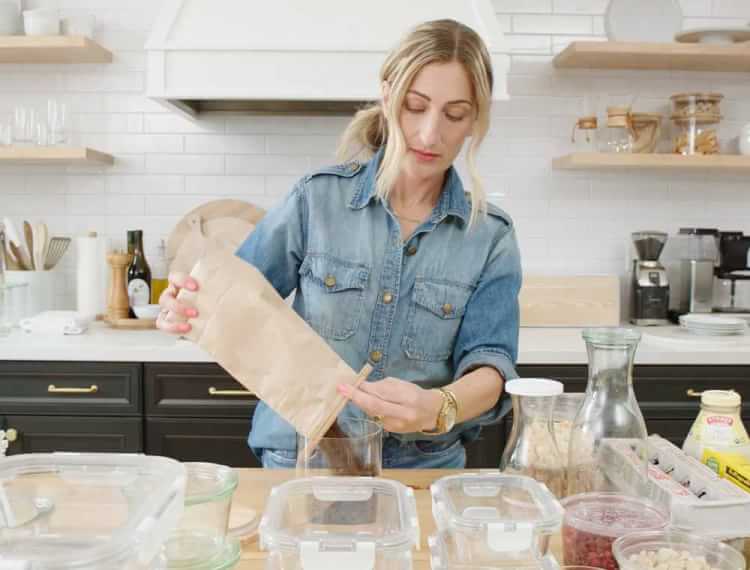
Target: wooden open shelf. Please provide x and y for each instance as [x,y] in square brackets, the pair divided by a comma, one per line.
[616,161]
[631,55]
[53,155]
[52,49]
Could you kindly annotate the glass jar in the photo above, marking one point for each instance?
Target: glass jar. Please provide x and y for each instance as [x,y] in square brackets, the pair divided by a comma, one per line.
[563,416]
[696,117]
[617,136]
[587,137]
[609,409]
[718,426]
[531,449]
[351,447]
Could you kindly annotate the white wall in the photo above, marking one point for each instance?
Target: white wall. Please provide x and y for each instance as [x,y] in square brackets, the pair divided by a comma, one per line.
[568,223]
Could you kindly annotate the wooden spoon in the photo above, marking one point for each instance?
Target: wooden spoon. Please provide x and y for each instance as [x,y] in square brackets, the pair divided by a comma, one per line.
[28,233]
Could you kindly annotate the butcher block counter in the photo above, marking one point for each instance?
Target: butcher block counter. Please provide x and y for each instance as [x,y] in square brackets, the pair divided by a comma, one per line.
[255,485]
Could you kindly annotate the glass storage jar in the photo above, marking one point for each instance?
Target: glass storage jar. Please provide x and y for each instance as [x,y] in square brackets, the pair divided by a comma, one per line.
[532,449]
[617,136]
[584,135]
[609,409]
[695,117]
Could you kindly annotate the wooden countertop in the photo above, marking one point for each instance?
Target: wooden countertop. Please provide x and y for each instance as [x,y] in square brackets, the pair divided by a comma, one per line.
[255,485]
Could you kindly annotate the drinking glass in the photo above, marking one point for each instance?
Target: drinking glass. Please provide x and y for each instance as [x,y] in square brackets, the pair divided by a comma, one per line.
[352,447]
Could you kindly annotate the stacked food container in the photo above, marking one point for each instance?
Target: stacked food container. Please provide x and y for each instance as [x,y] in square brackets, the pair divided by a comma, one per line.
[491,520]
[352,523]
[88,511]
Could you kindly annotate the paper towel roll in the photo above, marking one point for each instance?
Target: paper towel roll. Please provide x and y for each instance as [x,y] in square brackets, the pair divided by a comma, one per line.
[91,276]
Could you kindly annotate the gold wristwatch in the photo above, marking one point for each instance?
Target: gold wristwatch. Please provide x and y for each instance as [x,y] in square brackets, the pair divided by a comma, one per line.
[447,415]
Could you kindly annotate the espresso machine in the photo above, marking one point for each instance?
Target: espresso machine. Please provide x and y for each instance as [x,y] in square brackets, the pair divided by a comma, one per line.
[732,285]
[650,304]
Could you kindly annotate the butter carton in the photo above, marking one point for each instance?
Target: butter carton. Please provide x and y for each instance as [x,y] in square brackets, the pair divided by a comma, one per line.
[733,467]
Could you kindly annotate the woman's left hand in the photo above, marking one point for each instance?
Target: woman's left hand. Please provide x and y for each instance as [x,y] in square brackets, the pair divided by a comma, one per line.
[401,406]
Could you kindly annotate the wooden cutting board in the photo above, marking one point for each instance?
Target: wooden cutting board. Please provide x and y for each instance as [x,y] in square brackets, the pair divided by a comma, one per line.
[211,211]
[570,301]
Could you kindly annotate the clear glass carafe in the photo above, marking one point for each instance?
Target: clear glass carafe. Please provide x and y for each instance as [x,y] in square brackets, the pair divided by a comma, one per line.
[609,410]
[531,449]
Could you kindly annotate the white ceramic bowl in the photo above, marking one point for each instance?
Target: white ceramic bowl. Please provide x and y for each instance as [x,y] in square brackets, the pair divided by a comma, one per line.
[146,311]
[41,22]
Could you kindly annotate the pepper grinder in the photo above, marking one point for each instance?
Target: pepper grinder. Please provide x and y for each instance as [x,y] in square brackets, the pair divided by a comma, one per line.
[118,303]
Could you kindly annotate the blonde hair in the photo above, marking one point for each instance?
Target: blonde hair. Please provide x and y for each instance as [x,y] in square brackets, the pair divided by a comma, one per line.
[438,41]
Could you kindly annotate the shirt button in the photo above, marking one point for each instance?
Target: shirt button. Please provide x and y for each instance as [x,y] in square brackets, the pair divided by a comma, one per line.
[376,356]
[411,250]
[387,298]
[447,309]
[330,281]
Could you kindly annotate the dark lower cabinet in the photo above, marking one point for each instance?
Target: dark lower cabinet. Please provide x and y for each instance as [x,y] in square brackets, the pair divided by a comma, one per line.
[215,440]
[83,434]
[198,412]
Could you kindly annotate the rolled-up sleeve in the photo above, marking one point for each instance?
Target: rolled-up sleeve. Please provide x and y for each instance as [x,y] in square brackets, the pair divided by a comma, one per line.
[277,245]
[488,335]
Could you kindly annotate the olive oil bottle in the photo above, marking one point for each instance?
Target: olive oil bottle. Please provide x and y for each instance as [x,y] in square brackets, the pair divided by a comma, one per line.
[139,273]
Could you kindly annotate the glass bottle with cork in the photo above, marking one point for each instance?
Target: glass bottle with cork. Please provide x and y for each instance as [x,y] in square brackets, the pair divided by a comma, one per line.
[159,281]
[139,272]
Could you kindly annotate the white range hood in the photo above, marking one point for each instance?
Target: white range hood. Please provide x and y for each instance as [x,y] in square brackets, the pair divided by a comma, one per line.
[292,56]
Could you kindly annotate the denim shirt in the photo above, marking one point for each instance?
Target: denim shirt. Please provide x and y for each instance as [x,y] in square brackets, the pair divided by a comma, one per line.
[427,310]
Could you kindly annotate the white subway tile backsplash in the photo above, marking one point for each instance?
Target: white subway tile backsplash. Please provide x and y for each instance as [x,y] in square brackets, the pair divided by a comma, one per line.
[526,7]
[594,7]
[184,164]
[731,8]
[239,185]
[545,24]
[224,144]
[166,165]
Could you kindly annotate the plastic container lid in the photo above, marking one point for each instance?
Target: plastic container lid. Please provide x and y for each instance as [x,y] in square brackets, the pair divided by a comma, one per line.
[340,522]
[87,510]
[613,514]
[534,387]
[721,398]
[511,510]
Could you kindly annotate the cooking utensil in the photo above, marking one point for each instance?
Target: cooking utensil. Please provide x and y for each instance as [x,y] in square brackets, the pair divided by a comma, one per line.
[13,237]
[57,248]
[19,255]
[28,233]
[40,244]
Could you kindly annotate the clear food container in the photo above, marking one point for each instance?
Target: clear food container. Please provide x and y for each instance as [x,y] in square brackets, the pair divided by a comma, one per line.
[646,550]
[496,519]
[696,117]
[593,521]
[87,511]
[203,539]
[352,523]
[446,554]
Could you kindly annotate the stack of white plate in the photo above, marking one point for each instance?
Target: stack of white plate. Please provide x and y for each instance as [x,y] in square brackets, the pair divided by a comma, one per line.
[713,325]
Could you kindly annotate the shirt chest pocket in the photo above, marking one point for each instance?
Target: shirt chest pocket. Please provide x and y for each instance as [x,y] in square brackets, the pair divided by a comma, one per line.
[435,314]
[333,291]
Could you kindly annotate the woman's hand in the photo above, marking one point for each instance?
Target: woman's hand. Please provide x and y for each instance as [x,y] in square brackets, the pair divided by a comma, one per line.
[171,307]
[401,406]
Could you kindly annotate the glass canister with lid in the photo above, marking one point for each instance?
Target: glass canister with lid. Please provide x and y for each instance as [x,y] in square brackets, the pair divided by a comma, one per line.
[532,449]
[696,117]
[718,426]
[617,134]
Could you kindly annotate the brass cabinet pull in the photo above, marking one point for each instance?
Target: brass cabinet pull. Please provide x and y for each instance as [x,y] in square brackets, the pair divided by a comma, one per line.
[212,391]
[693,394]
[11,435]
[52,389]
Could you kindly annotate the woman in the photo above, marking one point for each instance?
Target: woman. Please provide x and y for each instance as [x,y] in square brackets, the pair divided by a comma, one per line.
[394,265]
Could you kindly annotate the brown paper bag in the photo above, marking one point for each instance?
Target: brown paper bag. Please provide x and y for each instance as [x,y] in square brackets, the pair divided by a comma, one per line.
[254,335]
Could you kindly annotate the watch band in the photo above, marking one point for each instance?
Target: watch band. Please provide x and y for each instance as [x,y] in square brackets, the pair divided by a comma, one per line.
[449,401]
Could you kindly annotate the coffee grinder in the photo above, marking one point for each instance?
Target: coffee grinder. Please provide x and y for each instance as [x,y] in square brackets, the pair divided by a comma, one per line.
[650,286]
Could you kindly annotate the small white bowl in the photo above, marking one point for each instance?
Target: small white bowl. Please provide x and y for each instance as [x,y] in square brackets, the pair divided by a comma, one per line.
[147,311]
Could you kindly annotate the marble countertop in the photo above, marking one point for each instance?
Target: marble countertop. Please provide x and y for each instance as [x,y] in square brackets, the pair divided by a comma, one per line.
[659,345]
